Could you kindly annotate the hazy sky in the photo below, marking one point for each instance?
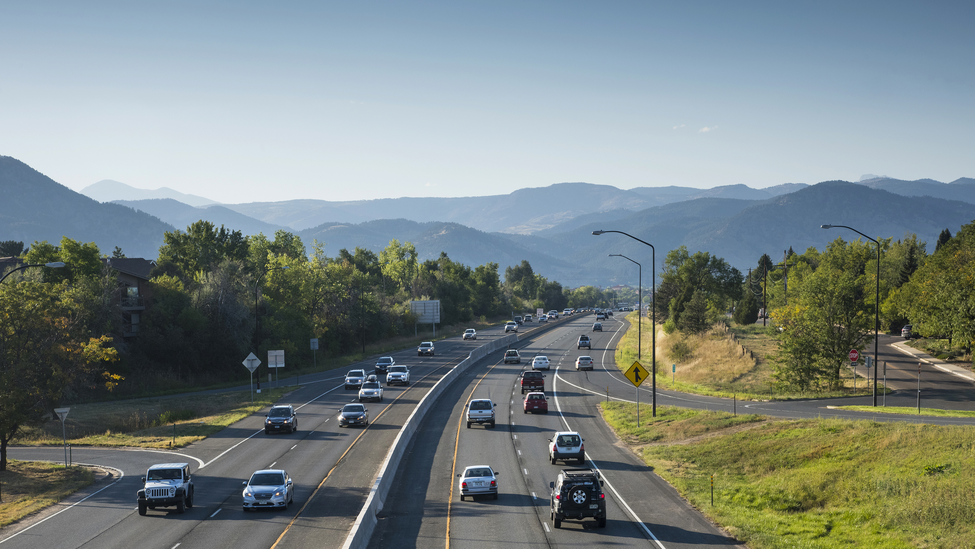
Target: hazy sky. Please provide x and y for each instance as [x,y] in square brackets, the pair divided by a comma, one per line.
[264,101]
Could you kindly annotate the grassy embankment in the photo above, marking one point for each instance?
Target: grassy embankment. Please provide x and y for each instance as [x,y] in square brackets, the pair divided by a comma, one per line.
[813,483]
[724,362]
[29,487]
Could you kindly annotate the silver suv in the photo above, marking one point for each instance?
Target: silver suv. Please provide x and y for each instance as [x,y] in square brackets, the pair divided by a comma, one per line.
[398,374]
[481,410]
[566,445]
[166,485]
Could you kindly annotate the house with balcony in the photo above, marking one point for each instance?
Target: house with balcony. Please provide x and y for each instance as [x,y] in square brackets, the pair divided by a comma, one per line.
[133,277]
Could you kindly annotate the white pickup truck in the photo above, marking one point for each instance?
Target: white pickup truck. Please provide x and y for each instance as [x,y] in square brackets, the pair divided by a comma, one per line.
[481,410]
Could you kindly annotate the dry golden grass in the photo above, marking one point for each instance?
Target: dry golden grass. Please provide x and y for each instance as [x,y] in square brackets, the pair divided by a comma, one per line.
[31,486]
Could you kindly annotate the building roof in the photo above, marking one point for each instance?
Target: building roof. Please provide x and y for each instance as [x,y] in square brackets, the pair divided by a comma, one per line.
[135,266]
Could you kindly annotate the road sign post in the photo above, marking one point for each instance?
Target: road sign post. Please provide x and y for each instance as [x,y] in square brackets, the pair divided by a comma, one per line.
[636,373]
[251,363]
[62,415]
[275,359]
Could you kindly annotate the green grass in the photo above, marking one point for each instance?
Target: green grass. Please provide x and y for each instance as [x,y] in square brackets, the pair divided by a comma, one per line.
[148,423]
[30,486]
[815,483]
[903,410]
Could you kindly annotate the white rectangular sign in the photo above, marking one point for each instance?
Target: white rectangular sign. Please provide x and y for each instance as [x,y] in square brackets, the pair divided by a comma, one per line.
[427,312]
[275,359]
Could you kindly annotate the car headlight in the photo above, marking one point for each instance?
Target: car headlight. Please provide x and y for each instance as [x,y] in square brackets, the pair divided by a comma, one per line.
[279,493]
[248,493]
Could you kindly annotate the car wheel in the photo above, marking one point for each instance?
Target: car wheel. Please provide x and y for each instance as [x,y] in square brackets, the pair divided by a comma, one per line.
[387,384]
[181,505]
[189,500]
[245,509]
[462,497]
[525,411]
[579,496]
[468,424]
[495,495]
[266,432]
[143,509]
[493,425]
[553,460]
[602,522]
[558,523]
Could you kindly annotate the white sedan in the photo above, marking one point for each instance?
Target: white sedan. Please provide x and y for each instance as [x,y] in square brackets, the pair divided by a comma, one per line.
[478,480]
[269,488]
[540,362]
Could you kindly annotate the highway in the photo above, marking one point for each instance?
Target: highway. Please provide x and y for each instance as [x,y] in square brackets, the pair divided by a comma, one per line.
[334,468]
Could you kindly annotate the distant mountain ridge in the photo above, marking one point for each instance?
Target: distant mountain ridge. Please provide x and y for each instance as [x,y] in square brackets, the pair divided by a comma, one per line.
[551,227]
[108,190]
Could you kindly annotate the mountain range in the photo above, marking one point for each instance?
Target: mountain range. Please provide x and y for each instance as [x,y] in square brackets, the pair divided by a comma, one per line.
[551,227]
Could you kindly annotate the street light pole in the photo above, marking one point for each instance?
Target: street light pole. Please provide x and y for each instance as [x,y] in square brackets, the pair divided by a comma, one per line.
[639,331]
[52,265]
[876,325]
[653,288]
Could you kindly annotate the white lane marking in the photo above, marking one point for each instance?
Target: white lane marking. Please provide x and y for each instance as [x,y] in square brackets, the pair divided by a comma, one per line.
[271,466]
[175,546]
[558,406]
[215,513]
[545,524]
[225,452]
[514,437]
[121,475]
[526,472]
[519,452]
[295,446]
[534,496]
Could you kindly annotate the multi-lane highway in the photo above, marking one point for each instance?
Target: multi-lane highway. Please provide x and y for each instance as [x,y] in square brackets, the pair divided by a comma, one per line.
[334,468]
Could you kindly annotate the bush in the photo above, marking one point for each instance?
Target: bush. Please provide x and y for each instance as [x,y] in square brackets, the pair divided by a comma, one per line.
[669,326]
[681,350]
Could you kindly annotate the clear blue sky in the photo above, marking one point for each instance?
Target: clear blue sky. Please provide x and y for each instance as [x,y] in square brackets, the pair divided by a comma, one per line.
[266,101]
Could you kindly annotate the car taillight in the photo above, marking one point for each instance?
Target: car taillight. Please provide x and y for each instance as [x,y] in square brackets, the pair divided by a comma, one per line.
[602,496]
[463,485]
[494,483]
[582,447]
[557,496]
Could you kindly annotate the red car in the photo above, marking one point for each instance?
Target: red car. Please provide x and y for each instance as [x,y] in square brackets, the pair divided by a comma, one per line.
[536,402]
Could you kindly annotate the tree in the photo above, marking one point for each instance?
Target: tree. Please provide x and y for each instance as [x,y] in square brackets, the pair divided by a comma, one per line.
[694,319]
[45,352]
[746,312]
[718,282]
[11,248]
[201,247]
[943,239]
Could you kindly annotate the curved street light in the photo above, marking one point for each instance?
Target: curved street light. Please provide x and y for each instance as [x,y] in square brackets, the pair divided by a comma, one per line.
[639,317]
[876,326]
[653,287]
[52,265]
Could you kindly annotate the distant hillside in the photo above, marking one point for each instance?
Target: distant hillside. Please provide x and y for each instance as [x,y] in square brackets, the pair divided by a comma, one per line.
[35,207]
[962,189]
[742,235]
[181,216]
[107,190]
[522,211]
[462,244]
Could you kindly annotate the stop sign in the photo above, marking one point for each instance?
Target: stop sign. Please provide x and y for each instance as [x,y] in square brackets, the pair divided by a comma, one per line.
[854,355]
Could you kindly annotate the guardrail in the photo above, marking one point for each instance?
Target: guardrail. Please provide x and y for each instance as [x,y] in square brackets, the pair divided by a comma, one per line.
[365,523]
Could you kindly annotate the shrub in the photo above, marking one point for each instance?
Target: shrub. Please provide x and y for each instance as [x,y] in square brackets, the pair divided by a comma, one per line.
[669,326]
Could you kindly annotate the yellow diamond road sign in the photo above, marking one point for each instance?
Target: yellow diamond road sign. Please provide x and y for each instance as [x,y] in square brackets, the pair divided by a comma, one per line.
[636,374]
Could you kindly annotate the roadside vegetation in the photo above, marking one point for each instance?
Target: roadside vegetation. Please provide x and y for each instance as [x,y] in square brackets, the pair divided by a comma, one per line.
[813,483]
[728,360]
[29,487]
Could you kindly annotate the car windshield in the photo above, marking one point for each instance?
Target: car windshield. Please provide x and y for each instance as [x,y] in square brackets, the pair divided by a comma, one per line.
[279,412]
[568,440]
[541,359]
[470,331]
[585,359]
[400,369]
[353,408]
[385,360]
[478,472]
[370,385]
[357,373]
[267,479]
[481,405]
[164,474]
[511,353]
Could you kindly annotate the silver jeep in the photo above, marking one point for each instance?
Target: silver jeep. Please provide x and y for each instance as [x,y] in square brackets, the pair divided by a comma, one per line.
[166,485]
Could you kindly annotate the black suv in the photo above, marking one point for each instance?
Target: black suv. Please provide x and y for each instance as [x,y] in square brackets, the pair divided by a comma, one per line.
[578,494]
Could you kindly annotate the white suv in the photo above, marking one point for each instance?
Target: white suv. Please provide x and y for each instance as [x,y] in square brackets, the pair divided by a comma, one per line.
[566,445]
[166,485]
